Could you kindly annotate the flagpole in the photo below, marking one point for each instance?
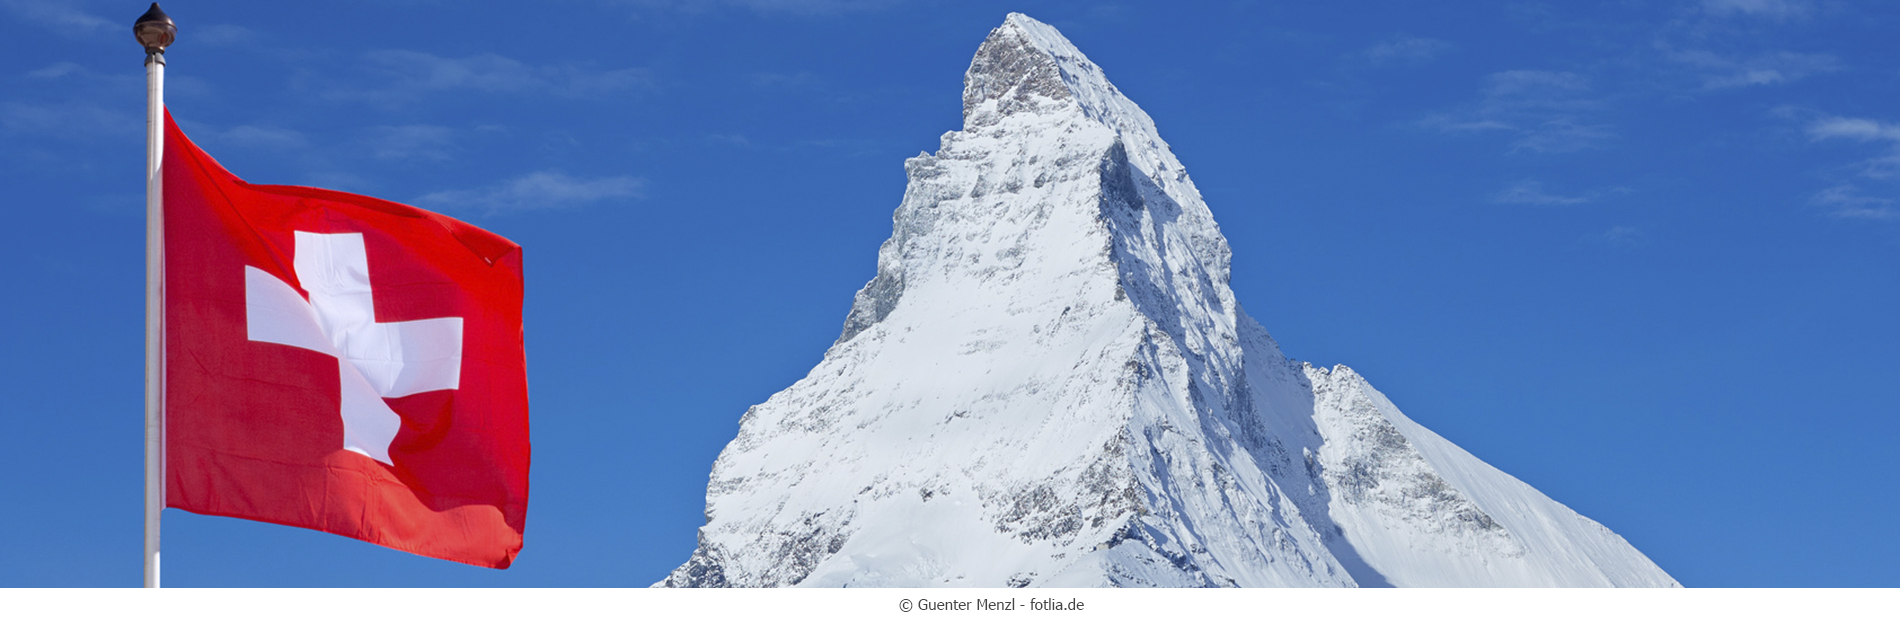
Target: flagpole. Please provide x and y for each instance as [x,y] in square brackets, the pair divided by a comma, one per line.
[155,31]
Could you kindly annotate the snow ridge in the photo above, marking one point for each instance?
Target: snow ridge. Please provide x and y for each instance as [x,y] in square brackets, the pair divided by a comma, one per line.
[1049,383]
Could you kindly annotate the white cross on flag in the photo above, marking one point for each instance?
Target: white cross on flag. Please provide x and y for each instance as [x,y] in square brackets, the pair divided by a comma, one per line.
[376,360]
[342,363]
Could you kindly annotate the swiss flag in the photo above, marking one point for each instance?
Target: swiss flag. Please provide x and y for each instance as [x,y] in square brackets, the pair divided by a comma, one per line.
[342,363]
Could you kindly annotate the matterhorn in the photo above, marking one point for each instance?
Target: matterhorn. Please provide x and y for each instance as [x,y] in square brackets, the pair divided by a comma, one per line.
[1049,383]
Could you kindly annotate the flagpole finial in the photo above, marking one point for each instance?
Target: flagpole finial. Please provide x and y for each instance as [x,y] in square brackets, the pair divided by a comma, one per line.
[155,31]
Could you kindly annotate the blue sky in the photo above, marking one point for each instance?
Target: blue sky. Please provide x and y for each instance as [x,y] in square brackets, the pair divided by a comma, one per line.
[1641,255]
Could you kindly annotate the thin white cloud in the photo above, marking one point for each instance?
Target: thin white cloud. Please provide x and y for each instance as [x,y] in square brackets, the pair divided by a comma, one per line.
[1883,166]
[1623,237]
[262,136]
[1847,202]
[1546,85]
[70,120]
[81,82]
[84,77]
[1718,72]
[537,191]
[1112,11]
[786,81]
[769,7]
[814,6]
[406,142]
[63,17]
[221,35]
[401,76]
[1854,128]
[1530,192]
[1563,135]
[1548,111]
[57,70]
[62,102]
[1405,50]
[1760,8]
[339,180]
[730,139]
[1850,201]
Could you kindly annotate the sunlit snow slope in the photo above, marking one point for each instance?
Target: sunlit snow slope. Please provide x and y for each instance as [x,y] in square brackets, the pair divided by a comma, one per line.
[1049,383]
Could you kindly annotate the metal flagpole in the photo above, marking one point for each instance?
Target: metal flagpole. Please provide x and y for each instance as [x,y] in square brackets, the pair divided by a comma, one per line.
[155,31]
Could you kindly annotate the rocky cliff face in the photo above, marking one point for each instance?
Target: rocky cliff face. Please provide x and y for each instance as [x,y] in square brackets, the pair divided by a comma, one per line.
[1049,383]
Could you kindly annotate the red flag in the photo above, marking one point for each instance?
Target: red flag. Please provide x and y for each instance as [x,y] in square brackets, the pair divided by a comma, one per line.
[342,363]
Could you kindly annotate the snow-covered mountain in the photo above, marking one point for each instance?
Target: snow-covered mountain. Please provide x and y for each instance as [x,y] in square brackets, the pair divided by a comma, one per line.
[1049,383]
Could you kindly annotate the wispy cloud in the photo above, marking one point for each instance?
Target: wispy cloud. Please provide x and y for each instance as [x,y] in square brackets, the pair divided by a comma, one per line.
[1405,50]
[70,120]
[261,136]
[1855,128]
[1622,237]
[401,76]
[776,81]
[83,82]
[1847,202]
[340,180]
[1883,166]
[57,70]
[1530,192]
[1719,71]
[1760,8]
[84,77]
[814,6]
[795,7]
[536,191]
[1109,11]
[400,142]
[1548,111]
[64,18]
[61,102]
[222,35]
[730,139]
[1551,88]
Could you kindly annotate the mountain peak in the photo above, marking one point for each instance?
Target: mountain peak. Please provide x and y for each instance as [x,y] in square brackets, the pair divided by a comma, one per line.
[1049,382]
[1025,65]
[1014,66]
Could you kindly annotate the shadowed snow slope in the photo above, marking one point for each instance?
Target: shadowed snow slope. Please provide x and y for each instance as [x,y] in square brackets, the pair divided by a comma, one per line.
[1049,383]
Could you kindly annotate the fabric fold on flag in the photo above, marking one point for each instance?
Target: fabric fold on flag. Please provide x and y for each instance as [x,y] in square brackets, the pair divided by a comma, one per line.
[342,363]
